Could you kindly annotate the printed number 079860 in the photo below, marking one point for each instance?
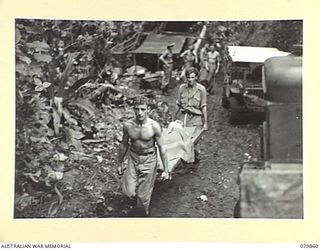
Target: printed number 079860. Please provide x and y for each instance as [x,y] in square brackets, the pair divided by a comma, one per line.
[308,245]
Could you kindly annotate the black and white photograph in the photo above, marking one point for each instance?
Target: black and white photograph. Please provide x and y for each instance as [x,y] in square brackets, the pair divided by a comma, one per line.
[158,119]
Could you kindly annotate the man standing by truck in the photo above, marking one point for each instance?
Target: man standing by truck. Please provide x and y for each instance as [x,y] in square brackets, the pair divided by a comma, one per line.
[141,138]
[214,60]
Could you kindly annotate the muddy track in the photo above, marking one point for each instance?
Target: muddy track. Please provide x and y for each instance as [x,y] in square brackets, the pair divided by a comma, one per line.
[223,149]
[215,177]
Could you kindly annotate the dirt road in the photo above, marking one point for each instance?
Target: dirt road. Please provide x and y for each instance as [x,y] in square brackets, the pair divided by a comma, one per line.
[215,177]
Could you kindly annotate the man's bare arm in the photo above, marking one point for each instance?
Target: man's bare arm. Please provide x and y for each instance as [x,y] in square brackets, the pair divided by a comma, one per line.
[160,143]
[218,63]
[162,58]
[175,113]
[205,118]
[195,57]
[204,108]
[201,56]
[124,146]
[183,53]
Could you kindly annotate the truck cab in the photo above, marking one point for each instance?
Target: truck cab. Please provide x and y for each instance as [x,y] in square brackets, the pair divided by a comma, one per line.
[282,129]
[245,76]
[273,186]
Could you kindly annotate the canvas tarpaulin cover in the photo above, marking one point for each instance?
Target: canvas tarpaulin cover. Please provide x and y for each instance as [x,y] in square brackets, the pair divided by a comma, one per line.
[253,54]
[157,44]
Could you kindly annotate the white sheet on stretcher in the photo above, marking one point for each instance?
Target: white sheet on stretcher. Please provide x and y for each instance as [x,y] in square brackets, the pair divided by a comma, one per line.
[178,145]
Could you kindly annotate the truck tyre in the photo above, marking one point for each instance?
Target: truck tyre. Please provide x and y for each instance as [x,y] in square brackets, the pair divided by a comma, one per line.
[225,102]
[224,99]
[235,110]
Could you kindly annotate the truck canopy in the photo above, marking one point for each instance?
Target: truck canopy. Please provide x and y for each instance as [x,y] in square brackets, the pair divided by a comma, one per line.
[253,54]
[157,44]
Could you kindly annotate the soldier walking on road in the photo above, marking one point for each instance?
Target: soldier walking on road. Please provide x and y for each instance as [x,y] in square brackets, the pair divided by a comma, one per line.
[141,138]
[192,105]
[204,71]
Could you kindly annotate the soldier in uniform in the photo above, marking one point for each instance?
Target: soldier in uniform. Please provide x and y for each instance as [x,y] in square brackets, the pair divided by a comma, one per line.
[192,105]
[167,59]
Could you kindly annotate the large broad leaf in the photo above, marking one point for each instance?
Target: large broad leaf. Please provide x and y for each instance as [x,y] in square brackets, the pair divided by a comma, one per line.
[90,54]
[68,117]
[50,132]
[25,59]
[28,71]
[222,28]
[35,70]
[42,86]
[75,134]
[20,26]
[66,114]
[43,57]
[31,30]
[77,144]
[18,35]
[111,24]
[38,46]
[52,176]
[44,117]
[76,86]
[22,69]
[73,138]
[23,201]
[84,104]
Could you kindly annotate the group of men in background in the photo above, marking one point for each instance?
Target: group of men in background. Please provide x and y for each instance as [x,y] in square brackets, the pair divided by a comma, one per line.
[208,62]
[142,136]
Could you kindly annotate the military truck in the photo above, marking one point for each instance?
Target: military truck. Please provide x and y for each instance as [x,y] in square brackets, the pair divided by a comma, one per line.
[273,187]
[245,75]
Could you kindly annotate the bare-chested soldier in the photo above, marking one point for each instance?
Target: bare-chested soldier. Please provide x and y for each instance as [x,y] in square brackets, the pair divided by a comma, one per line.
[141,138]
[213,66]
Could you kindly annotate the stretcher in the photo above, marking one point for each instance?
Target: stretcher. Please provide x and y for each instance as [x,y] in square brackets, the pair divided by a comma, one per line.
[179,144]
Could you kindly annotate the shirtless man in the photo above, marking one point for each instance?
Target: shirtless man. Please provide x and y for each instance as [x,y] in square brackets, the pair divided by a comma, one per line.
[214,60]
[190,57]
[190,60]
[204,64]
[141,139]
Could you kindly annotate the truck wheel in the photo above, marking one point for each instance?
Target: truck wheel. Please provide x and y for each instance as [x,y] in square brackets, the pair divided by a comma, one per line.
[225,102]
[224,98]
[235,110]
